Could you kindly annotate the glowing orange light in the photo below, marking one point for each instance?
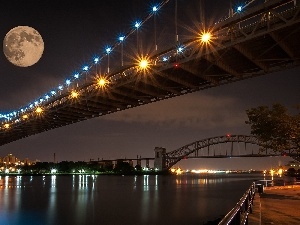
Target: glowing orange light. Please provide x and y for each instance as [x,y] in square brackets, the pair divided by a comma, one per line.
[25,116]
[102,82]
[177,171]
[143,64]
[74,94]
[39,110]
[206,37]
[6,125]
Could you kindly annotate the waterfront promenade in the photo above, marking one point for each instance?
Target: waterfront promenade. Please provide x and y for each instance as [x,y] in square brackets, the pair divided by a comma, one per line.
[279,205]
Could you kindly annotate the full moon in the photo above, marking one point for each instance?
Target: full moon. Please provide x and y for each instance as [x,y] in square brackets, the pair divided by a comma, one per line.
[23,46]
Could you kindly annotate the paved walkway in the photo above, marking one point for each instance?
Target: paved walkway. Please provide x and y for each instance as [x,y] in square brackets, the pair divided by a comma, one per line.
[279,205]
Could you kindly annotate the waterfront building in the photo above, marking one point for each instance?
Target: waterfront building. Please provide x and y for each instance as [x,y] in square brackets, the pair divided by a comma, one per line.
[159,160]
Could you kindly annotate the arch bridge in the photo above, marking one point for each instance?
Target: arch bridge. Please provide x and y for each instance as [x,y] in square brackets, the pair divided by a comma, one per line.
[226,146]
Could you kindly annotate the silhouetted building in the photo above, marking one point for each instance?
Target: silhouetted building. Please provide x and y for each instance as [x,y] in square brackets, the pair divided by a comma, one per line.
[160,159]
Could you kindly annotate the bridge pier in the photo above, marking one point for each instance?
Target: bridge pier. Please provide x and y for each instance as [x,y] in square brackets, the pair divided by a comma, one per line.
[160,158]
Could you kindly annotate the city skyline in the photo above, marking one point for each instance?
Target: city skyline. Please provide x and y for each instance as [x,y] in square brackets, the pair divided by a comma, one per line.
[169,123]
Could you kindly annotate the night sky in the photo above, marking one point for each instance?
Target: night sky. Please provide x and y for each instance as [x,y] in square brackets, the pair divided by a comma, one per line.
[73,32]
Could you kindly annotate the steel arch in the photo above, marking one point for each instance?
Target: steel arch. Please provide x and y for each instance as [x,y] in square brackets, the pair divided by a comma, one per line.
[175,156]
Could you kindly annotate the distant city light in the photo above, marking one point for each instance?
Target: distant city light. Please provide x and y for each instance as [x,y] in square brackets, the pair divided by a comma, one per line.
[53,170]
[6,126]
[121,38]
[154,8]
[76,75]
[25,116]
[68,82]
[53,93]
[60,87]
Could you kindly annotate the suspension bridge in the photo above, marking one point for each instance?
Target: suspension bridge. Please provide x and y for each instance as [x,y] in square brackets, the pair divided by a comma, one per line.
[256,38]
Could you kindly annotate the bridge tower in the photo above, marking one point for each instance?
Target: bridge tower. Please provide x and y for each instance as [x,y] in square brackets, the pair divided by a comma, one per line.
[160,158]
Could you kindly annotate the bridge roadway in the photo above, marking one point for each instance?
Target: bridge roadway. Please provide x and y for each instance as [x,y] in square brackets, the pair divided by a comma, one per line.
[261,40]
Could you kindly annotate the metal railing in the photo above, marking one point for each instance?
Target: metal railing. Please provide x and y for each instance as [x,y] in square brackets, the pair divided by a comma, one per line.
[239,214]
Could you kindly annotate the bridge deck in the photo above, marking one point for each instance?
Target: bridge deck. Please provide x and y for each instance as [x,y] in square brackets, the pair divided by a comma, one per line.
[262,41]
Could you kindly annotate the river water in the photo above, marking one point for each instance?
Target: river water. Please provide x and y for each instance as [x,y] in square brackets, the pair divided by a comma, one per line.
[119,200]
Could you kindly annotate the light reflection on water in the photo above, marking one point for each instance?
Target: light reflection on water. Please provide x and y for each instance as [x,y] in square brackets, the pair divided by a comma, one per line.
[91,199]
[201,181]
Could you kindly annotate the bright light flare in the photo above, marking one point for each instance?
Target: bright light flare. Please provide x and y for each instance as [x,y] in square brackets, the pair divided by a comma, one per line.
[39,110]
[6,126]
[101,82]
[144,64]
[74,94]
[137,24]
[154,8]
[25,116]
[177,171]
[205,37]
[108,50]
[121,38]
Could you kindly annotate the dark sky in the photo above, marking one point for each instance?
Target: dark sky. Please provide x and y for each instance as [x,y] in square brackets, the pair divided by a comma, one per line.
[75,31]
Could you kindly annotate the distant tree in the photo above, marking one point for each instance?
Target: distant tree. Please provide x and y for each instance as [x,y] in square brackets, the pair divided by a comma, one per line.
[138,168]
[41,167]
[275,127]
[123,167]
[65,166]
[291,172]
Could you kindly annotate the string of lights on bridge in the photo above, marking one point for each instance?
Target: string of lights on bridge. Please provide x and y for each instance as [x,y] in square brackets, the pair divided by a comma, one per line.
[142,64]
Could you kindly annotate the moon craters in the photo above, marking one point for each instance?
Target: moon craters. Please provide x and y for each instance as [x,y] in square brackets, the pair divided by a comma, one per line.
[23,46]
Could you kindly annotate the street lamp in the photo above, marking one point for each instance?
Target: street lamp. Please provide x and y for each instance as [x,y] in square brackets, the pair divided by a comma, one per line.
[108,50]
[137,25]
[154,10]
[121,39]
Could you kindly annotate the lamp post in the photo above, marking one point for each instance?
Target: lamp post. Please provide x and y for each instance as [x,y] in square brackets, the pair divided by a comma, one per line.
[137,25]
[108,50]
[154,9]
[121,39]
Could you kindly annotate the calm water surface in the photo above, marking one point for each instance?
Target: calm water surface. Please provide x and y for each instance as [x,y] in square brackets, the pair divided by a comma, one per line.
[119,200]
